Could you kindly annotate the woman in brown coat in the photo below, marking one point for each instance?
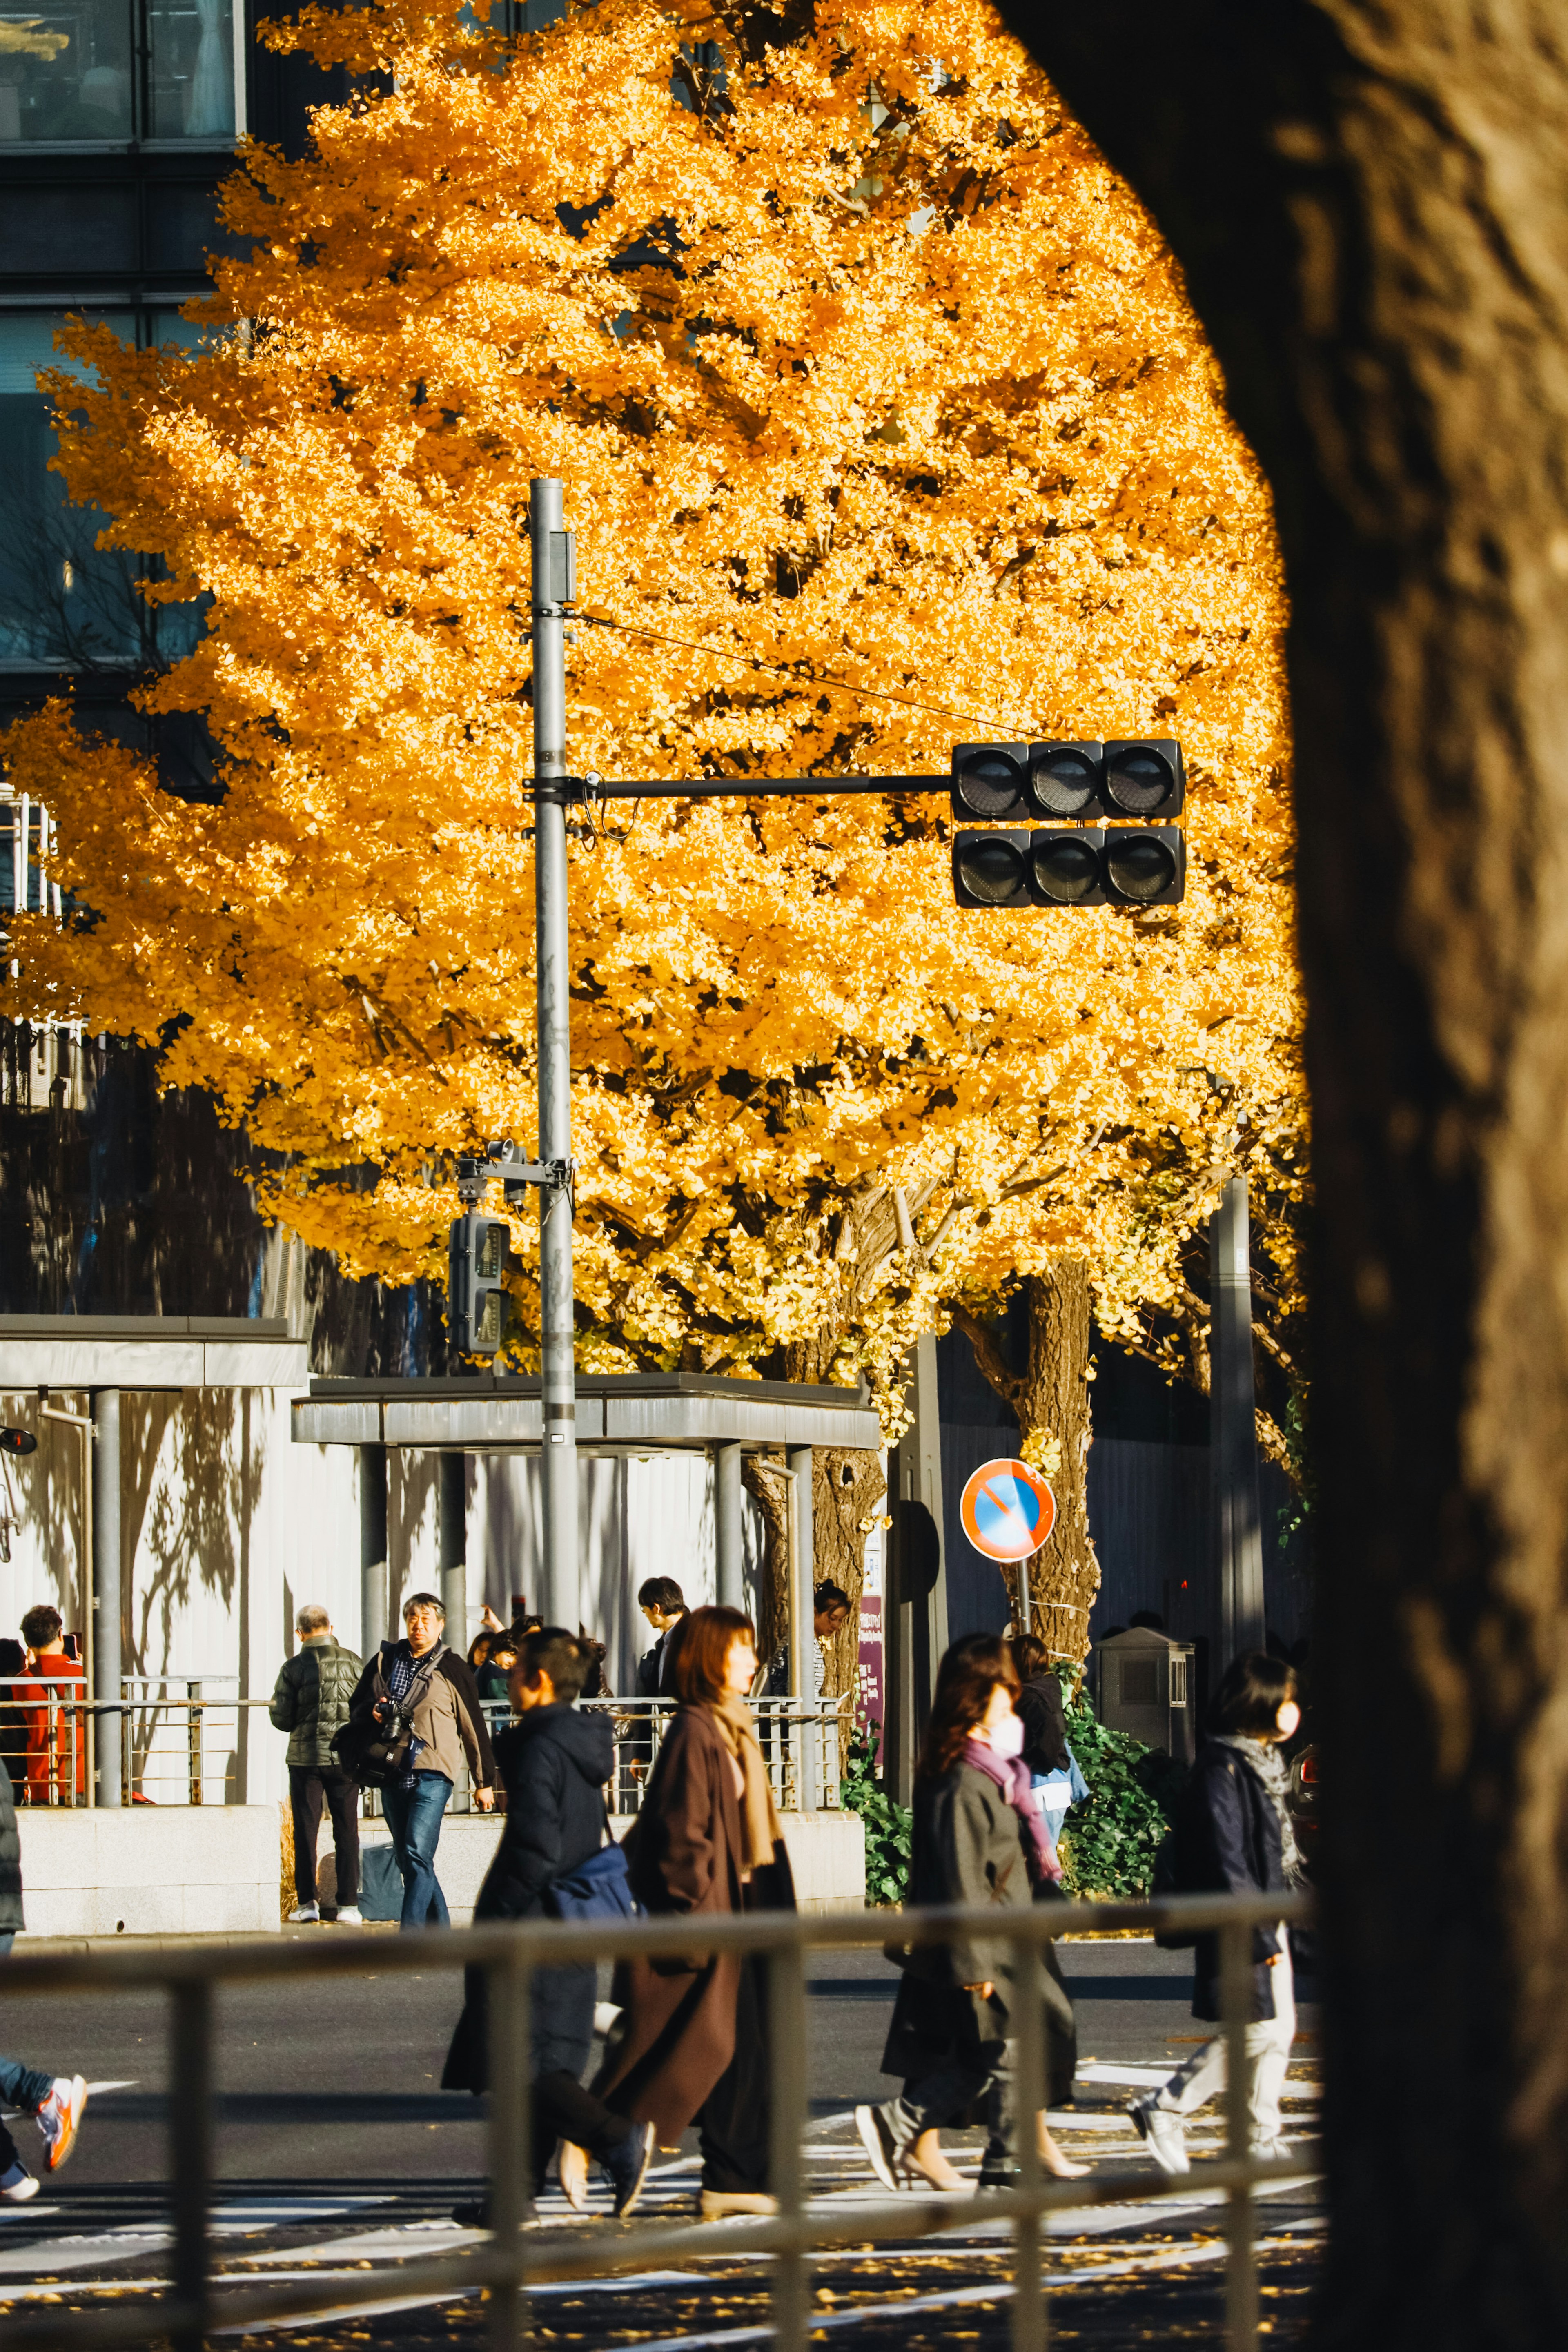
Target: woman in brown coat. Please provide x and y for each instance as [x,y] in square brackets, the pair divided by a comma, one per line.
[692,2042]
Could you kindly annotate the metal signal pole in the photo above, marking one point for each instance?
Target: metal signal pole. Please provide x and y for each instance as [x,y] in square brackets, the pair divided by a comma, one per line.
[1238,1531]
[553,587]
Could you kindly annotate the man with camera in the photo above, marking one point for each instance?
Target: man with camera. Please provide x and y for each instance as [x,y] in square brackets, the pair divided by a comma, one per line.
[415,1714]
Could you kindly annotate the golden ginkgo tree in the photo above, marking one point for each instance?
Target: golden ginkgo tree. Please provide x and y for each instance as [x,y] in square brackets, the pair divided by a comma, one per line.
[884,422]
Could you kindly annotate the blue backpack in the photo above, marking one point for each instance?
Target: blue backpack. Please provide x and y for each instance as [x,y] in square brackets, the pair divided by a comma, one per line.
[599,1889]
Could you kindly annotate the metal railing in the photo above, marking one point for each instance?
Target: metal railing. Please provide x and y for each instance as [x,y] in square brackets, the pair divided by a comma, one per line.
[506,2262]
[179,1738]
[799,1739]
[58,1762]
[172,1762]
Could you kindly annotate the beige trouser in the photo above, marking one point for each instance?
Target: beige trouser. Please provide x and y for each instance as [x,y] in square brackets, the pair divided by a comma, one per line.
[1268,2055]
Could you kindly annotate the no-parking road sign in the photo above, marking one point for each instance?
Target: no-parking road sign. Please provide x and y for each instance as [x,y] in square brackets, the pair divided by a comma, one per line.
[1008,1510]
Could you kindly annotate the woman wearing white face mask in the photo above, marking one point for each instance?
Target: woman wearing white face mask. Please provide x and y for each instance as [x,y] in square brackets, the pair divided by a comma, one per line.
[978,1839]
[1233,1835]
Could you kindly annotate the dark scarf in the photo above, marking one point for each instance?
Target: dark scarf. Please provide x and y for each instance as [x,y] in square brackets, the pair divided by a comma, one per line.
[1010,1775]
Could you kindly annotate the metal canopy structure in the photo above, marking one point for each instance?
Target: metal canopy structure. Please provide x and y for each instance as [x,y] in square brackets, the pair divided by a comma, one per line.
[617,1415]
[633,1414]
[146,1352]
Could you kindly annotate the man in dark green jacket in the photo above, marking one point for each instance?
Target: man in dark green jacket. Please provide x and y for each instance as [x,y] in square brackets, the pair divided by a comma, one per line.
[310,1702]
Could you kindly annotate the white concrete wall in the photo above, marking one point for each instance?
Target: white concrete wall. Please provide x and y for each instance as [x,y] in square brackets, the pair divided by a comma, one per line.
[151,1871]
[230,1526]
[826,1853]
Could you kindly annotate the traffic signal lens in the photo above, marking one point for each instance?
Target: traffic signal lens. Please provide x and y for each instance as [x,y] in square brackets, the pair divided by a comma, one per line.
[490,1252]
[1140,780]
[1140,866]
[989,783]
[488,1326]
[1067,870]
[1064,780]
[992,868]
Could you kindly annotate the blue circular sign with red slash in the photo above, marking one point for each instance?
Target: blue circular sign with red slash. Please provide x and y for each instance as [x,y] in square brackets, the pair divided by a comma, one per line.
[1008,1510]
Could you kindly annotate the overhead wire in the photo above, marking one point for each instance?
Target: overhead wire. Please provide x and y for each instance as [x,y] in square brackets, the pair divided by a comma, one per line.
[809,678]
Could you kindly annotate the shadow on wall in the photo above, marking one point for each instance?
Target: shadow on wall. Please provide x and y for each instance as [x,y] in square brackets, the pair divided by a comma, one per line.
[42,1538]
[413,1497]
[190,1470]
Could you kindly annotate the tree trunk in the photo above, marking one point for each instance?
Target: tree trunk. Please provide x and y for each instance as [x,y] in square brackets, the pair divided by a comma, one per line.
[847,1485]
[760,1476]
[1370,204]
[1051,1399]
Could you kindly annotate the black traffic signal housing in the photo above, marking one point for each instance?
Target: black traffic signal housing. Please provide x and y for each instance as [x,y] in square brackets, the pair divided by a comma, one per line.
[1106,838]
[476,1294]
[1076,866]
[1082,780]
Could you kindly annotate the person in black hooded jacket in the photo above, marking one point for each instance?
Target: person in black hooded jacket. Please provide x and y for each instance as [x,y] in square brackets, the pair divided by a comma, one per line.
[1233,1835]
[554,1764]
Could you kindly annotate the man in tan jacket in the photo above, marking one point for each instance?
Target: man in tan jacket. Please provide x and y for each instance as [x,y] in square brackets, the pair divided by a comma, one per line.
[424,1696]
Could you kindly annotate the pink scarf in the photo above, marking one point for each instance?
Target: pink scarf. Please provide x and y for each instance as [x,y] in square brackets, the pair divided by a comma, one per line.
[1010,1775]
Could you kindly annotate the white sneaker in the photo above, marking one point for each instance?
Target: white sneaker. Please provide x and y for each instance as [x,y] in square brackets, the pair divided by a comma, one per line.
[349,1915]
[60,2118]
[1163,2131]
[17,2184]
[304,1913]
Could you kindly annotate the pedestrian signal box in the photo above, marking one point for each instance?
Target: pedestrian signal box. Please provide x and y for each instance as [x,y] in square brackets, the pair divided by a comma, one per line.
[476,1294]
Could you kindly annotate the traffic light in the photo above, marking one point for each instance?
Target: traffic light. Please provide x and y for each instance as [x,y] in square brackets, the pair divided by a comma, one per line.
[17,1441]
[1099,860]
[1086,866]
[476,1299]
[1002,783]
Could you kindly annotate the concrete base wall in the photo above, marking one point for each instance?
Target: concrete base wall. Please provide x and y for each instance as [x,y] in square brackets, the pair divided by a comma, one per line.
[826,1853]
[214,1870]
[149,1870]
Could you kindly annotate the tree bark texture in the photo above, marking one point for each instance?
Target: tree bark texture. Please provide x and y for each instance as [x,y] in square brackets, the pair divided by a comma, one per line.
[759,1474]
[1050,1397]
[848,1483]
[1370,203]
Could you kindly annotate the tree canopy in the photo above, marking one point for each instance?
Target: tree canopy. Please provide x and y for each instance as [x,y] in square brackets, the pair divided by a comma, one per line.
[884,422]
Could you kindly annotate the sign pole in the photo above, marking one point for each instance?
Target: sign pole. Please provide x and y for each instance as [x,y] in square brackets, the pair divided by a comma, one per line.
[549,549]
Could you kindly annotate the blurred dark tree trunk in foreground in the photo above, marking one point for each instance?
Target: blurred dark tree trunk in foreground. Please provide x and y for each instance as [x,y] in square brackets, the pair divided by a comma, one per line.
[1370,203]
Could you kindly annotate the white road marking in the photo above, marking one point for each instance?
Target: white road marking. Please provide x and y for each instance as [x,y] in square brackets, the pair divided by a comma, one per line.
[348,2311]
[76,2254]
[394,2244]
[281,2212]
[1166,2258]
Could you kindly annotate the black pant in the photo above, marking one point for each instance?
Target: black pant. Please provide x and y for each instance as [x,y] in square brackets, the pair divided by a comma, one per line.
[733,2122]
[308,1785]
[562,2109]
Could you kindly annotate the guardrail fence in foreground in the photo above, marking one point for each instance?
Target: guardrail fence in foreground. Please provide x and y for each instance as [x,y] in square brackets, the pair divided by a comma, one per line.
[509,2258]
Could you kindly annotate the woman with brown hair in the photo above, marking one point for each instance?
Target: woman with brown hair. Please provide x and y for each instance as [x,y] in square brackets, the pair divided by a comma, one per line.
[978,1839]
[692,2040]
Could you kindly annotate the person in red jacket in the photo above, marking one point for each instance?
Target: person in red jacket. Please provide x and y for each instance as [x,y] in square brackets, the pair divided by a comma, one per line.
[47,1758]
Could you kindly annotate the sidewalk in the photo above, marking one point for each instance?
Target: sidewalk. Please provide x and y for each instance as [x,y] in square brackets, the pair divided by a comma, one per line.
[39,1948]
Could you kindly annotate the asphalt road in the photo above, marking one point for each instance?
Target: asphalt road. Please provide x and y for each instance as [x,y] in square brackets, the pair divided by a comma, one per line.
[340,2081]
[335,2147]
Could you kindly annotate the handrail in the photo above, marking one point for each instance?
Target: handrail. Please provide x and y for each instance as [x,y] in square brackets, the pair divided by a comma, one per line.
[507,2261]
